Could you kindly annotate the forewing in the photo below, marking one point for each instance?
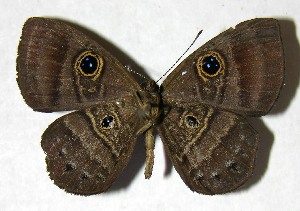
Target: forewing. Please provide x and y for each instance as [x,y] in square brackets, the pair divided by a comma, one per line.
[250,74]
[51,75]
[214,151]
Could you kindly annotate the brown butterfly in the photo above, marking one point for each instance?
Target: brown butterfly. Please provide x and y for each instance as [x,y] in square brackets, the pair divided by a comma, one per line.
[200,110]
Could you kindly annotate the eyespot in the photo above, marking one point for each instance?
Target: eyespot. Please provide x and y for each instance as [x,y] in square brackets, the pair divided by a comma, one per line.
[84,176]
[210,65]
[70,167]
[232,166]
[89,64]
[107,122]
[197,175]
[191,121]
[62,153]
[216,175]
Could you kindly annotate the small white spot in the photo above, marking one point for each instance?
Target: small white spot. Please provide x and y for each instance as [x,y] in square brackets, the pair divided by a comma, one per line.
[184,72]
[117,103]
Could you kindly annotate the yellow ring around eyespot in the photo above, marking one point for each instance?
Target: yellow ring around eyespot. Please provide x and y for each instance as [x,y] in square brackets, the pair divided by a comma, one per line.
[100,63]
[202,73]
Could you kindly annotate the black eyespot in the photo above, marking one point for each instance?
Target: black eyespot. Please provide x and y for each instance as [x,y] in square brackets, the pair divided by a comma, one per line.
[84,176]
[233,166]
[61,153]
[89,64]
[210,65]
[216,176]
[198,177]
[191,121]
[108,122]
[70,167]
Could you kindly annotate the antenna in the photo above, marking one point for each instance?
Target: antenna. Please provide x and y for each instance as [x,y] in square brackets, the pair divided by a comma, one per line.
[180,56]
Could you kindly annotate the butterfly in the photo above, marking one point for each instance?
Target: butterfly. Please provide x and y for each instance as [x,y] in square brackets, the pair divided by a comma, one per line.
[200,111]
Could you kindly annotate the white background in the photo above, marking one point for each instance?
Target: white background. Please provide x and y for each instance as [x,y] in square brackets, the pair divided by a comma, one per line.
[152,35]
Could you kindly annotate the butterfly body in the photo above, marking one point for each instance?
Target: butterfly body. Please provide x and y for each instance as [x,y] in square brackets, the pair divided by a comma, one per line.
[200,110]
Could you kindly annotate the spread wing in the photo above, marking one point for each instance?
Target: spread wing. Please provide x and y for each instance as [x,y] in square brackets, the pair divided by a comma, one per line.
[87,150]
[60,68]
[240,70]
[214,151]
[237,74]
